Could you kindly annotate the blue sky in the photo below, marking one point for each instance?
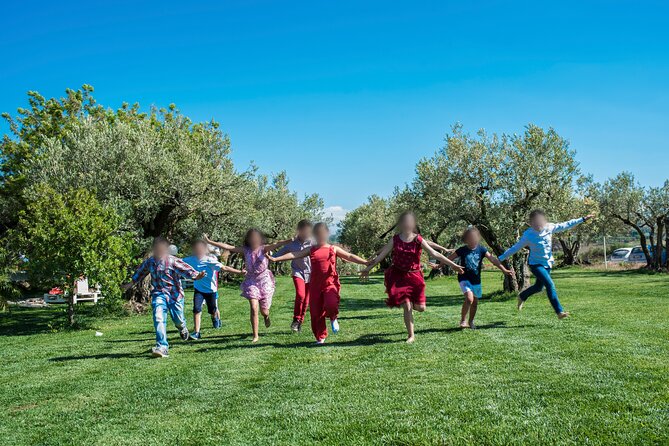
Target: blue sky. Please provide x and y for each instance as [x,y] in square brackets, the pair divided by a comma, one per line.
[346,96]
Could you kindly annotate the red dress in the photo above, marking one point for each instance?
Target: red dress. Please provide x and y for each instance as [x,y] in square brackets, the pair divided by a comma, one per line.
[404,279]
[323,289]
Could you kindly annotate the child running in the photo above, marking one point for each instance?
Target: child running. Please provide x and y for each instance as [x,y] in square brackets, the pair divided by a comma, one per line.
[324,284]
[206,288]
[539,239]
[167,295]
[258,286]
[471,257]
[404,280]
[301,269]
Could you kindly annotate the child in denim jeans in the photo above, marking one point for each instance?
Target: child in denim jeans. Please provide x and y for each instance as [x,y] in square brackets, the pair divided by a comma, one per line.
[166,291]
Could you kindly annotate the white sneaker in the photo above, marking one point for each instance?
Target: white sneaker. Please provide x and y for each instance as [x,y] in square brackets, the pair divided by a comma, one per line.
[320,341]
[159,352]
[335,326]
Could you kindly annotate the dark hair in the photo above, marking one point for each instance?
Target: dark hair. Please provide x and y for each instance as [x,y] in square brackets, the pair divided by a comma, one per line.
[320,225]
[304,224]
[199,242]
[250,232]
[160,241]
[470,230]
[537,212]
[401,217]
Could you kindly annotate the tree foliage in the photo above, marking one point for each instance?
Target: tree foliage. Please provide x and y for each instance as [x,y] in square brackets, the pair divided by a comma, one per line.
[68,235]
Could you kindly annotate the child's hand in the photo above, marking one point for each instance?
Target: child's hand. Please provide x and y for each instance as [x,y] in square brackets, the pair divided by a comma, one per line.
[509,272]
[458,269]
[200,275]
[589,217]
[270,258]
[434,265]
[243,272]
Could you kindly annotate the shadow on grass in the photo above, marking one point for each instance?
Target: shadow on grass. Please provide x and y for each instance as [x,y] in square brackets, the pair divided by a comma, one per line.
[497,325]
[19,321]
[101,356]
[365,340]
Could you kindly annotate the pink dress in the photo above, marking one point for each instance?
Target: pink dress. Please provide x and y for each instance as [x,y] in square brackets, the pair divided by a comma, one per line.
[259,281]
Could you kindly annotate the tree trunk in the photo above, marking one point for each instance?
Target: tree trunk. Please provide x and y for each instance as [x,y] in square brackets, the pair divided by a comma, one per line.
[657,247]
[642,238]
[666,243]
[570,251]
[70,309]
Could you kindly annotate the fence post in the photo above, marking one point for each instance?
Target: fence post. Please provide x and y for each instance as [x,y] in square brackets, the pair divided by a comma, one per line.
[606,262]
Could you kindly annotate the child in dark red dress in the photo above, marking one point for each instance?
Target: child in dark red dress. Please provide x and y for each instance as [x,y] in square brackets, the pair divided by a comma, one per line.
[404,280]
[324,281]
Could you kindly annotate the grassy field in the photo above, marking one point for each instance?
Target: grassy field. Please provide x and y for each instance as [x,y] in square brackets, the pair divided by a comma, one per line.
[600,377]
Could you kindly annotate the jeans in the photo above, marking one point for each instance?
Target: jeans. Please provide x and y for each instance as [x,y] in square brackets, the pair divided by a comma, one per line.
[543,279]
[161,305]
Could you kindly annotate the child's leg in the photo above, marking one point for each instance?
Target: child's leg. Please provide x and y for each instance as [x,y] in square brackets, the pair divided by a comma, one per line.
[408,320]
[472,310]
[211,299]
[198,298]
[264,310]
[547,280]
[536,287]
[300,306]
[317,313]
[331,303]
[253,303]
[176,309]
[466,307]
[159,306]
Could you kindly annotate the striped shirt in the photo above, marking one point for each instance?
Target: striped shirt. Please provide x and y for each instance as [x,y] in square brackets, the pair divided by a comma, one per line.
[165,276]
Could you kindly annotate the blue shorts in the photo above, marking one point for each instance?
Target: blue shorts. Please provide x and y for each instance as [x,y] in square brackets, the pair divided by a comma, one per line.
[476,290]
[210,298]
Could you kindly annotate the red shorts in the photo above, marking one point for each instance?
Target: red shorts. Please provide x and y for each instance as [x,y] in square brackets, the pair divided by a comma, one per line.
[404,285]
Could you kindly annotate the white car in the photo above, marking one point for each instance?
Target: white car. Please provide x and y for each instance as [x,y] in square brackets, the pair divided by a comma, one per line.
[620,255]
[637,255]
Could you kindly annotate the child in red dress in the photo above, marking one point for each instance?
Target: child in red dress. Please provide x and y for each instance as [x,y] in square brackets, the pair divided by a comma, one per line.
[324,281]
[404,280]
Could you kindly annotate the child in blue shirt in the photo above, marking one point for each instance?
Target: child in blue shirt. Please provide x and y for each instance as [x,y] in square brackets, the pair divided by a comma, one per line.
[539,239]
[471,257]
[206,288]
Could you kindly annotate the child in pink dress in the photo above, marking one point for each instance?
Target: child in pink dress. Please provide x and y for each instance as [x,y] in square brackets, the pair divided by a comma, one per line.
[258,286]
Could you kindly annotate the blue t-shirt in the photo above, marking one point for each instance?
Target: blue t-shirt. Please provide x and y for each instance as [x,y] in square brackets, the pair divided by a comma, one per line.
[209,283]
[472,261]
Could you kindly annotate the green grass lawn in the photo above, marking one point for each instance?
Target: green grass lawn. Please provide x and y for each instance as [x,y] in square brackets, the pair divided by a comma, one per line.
[600,377]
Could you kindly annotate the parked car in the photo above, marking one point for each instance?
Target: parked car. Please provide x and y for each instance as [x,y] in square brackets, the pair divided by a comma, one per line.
[620,255]
[637,255]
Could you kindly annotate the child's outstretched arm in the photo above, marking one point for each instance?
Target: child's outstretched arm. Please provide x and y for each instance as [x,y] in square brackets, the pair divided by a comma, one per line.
[560,227]
[222,245]
[290,255]
[454,266]
[438,247]
[139,274]
[277,245]
[382,255]
[452,256]
[495,261]
[232,270]
[520,244]
[347,256]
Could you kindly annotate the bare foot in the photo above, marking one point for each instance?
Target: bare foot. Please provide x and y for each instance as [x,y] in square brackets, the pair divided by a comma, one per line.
[255,339]
[410,339]
[563,315]
[521,302]
[464,324]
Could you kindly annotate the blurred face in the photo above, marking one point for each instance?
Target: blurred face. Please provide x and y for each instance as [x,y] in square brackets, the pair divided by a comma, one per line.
[304,233]
[322,235]
[161,250]
[538,222]
[473,239]
[255,240]
[200,250]
[408,223]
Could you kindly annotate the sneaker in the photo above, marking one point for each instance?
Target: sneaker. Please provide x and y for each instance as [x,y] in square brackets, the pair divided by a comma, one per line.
[159,352]
[184,334]
[563,315]
[295,326]
[196,336]
[320,341]
[472,326]
[216,322]
[521,302]
[335,326]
